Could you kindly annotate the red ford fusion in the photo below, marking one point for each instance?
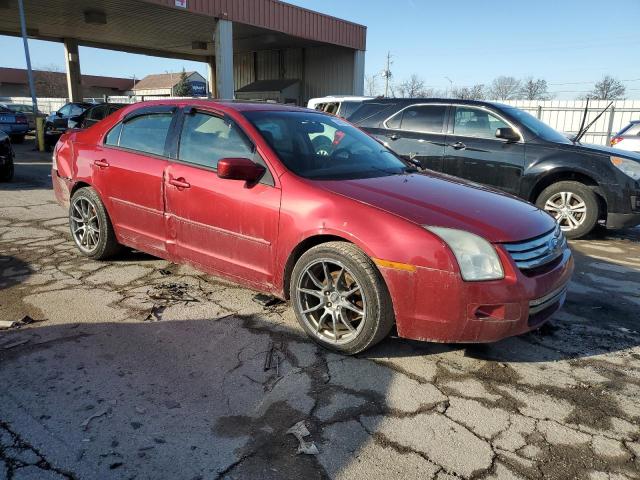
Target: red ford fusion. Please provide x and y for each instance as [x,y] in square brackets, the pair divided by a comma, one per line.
[304,206]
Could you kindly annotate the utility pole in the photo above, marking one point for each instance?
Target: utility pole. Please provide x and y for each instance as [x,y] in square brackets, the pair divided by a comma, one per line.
[386,73]
[32,88]
[450,86]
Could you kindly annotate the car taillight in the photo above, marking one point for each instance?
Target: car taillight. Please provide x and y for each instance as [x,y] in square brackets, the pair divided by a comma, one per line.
[21,119]
[616,140]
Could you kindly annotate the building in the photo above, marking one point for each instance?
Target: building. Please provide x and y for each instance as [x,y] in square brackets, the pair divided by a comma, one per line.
[240,41]
[164,84]
[14,83]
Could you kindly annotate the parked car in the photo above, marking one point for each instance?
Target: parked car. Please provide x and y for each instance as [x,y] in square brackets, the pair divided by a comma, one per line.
[58,122]
[6,158]
[511,150]
[342,106]
[94,114]
[628,138]
[356,239]
[27,111]
[14,124]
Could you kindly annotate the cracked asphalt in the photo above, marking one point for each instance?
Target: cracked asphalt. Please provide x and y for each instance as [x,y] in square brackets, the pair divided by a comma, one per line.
[139,368]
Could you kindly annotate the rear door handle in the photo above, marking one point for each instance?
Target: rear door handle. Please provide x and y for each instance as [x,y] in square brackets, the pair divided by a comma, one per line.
[179,182]
[459,146]
[101,163]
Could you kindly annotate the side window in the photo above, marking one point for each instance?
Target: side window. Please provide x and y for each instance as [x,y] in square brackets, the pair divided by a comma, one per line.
[96,113]
[205,139]
[113,137]
[427,119]
[474,122]
[395,121]
[146,133]
[65,110]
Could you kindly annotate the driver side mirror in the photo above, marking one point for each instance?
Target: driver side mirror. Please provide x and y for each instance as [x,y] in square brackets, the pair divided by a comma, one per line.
[240,169]
[58,114]
[507,133]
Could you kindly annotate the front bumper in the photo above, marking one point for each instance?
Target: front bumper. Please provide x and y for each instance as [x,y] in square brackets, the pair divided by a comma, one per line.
[438,306]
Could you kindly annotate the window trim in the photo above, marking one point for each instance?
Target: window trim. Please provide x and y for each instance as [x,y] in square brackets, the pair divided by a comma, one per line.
[401,112]
[452,123]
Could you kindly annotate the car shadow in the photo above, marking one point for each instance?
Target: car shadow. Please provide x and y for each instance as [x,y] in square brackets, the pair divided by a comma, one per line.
[13,271]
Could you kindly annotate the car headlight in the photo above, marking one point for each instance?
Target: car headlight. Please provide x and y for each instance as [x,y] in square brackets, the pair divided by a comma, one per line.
[630,168]
[476,257]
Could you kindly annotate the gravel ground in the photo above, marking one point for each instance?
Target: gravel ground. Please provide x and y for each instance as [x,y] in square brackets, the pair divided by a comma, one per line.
[139,368]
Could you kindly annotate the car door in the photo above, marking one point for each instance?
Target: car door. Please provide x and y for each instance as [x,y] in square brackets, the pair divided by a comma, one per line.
[128,171]
[225,226]
[61,118]
[417,133]
[473,152]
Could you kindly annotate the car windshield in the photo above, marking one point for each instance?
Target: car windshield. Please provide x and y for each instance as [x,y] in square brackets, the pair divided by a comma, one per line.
[321,147]
[540,129]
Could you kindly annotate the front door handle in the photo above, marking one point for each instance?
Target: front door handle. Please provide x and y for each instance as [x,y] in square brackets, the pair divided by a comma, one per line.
[101,163]
[179,182]
[459,146]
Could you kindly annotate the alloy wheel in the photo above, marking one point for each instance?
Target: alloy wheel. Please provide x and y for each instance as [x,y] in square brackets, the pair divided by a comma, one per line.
[84,224]
[331,301]
[568,208]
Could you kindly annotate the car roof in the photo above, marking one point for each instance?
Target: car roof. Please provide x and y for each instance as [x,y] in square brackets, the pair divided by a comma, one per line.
[457,101]
[237,105]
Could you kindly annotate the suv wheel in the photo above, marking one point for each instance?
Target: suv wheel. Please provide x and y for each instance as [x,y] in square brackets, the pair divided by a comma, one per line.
[574,206]
[90,225]
[340,298]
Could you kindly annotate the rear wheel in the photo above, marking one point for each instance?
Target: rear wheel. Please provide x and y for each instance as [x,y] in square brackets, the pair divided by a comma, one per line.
[90,225]
[340,298]
[573,205]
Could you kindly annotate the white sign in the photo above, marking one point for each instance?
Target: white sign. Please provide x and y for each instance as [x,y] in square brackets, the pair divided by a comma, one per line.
[181,3]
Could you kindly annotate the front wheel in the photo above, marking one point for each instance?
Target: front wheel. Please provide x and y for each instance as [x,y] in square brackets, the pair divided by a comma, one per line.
[340,298]
[90,225]
[573,205]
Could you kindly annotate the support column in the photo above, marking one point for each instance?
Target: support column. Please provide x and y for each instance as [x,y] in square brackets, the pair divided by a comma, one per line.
[72,64]
[211,77]
[358,72]
[223,44]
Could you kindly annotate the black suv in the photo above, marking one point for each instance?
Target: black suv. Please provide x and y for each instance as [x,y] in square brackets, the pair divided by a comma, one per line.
[511,150]
[58,122]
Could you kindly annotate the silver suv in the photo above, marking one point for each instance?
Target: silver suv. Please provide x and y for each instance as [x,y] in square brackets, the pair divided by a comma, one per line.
[628,138]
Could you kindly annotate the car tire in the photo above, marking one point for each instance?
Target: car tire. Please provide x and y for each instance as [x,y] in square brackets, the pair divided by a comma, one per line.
[573,204]
[7,170]
[350,270]
[86,208]
[17,139]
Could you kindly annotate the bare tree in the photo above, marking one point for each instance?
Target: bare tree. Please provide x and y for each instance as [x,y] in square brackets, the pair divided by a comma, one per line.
[504,88]
[608,88]
[50,82]
[413,87]
[370,85]
[534,89]
[474,92]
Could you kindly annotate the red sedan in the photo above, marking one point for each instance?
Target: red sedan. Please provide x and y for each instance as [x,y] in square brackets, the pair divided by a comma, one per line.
[304,206]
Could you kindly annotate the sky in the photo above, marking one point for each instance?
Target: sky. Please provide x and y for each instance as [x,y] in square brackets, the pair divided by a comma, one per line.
[569,43]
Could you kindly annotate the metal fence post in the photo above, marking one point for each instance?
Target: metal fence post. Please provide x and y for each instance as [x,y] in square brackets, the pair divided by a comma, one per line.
[612,114]
[539,112]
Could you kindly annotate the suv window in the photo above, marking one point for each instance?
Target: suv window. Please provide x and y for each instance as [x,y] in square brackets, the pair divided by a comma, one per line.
[76,110]
[97,113]
[423,118]
[146,133]
[205,139]
[65,110]
[475,122]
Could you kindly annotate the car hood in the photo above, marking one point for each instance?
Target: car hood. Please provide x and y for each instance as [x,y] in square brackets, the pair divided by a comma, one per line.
[438,200]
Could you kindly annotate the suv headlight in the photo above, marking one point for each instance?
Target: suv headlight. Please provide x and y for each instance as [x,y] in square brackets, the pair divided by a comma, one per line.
[630,168]
[476,257]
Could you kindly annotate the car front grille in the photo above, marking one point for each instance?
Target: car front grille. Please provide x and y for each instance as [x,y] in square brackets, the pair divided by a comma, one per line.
[539,251]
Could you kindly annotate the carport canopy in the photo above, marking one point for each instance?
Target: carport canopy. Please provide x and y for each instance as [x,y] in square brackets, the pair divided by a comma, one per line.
[210,31]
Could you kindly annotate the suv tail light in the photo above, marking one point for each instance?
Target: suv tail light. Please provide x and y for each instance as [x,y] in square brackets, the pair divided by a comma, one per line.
[616,140]
[21,119]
